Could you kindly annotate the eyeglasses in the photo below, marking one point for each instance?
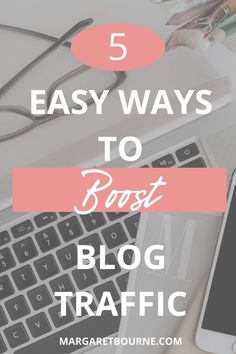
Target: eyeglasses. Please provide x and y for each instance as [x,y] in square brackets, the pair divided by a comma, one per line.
[18,115]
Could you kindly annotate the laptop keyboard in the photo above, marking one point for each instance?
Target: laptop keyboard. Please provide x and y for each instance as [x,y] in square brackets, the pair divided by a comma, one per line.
[38,257]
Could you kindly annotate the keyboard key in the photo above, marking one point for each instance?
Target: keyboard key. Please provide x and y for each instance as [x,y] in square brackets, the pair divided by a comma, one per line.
[44,219]
[3,347]
[195,163]
[91,327]
[128,256]
[122,281]
[6,260]
[94,241]
[38,325]
[24,277]
[46,267]
[110,287]
[67,257]
[25,250]
[84,278]
[62,283]
[47,239]
[115,216]
[165,161]
[6,288]
[93,220]
[106,273]
[3,319]
[65,214]
[132,224]
[22,229]
[4,238]
[114,235]
[70,229]
[84,312]
[17,308]
[56,317]
[187,152]
[39,297]
[16,335]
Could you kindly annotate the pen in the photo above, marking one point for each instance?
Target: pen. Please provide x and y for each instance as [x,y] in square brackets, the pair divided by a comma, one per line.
[217,36]
[200,10]
[160,1]
[223,32]
[186,3]
[180,6]
[191,35]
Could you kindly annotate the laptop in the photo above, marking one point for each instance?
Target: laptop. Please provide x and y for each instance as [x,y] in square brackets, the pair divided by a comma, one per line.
[38,251]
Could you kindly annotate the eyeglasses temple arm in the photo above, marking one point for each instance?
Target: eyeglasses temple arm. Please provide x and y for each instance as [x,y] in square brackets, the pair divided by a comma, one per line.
[31,33]
[76,28]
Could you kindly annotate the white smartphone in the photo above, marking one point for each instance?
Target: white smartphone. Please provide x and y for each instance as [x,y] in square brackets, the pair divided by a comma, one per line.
[216,332]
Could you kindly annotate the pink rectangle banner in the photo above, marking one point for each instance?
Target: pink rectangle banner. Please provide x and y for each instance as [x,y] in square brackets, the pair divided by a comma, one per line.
[119,189]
